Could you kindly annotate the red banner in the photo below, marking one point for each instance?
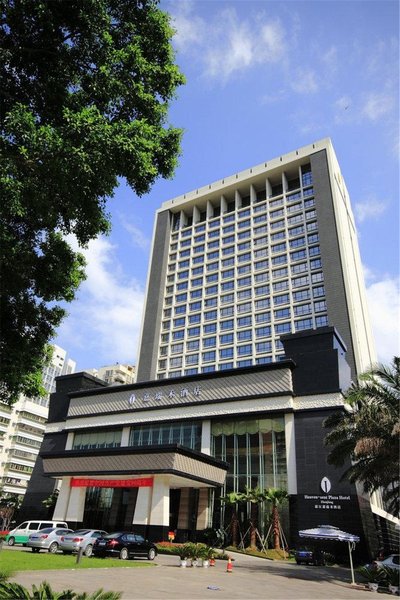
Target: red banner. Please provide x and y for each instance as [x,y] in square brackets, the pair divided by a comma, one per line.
[113,483]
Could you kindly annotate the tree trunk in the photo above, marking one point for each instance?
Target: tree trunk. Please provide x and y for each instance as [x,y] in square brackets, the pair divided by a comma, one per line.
[253,528]
[275,528]
[235,528]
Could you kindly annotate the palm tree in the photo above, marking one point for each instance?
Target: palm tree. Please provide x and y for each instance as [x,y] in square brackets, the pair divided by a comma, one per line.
[367,433]
[255,496]
[275,497]
[233,499]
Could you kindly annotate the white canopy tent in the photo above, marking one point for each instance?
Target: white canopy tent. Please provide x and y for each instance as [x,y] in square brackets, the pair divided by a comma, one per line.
[329,532]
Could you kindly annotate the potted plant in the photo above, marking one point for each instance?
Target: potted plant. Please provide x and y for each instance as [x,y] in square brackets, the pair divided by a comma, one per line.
[391,577]
[373,576]
[207,554]
[182,552]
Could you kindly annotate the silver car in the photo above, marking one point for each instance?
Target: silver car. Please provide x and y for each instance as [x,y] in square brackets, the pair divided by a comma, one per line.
[47,539]
[81,538]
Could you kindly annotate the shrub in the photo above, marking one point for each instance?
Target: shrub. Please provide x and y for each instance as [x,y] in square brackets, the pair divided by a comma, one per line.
[15,591]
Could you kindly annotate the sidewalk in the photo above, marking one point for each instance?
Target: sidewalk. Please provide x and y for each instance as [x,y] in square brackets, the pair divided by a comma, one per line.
[251,578]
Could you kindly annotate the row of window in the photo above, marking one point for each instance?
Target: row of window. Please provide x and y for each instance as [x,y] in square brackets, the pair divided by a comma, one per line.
[277,286]
[226,267]
[214,234]
[277,230]
[182,294]
[275,194]
[185,433]
[212,315]
[212,246]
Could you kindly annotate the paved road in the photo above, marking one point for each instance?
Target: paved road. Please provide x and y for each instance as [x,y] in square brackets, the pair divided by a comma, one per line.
[251,578]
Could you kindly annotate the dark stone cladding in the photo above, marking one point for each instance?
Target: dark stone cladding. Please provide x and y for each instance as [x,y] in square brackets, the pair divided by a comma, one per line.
[320,359]
[152,318]
[311,465]
[66,385]
[336,297]
[40,486]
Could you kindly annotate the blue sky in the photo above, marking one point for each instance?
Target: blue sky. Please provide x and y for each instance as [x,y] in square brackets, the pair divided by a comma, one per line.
[263,78]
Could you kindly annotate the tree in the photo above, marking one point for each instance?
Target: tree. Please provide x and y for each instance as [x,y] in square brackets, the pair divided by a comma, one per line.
[254,496]
[275,497]
[85,87]
[232,500]
[9,504]
[367,433]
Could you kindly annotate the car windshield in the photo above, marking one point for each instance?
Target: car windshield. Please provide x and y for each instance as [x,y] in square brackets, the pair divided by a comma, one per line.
[47,530]
[81,531]
[113,535]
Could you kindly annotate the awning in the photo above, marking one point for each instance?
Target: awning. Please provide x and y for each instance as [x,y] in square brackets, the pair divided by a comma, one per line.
[329,532]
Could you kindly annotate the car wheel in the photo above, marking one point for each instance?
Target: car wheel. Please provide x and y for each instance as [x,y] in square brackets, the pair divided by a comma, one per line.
[124,554]
[151,554]
[89,550]
[11,541]
[53,548]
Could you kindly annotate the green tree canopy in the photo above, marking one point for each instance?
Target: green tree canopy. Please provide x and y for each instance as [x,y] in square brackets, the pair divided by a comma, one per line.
[367,433]
[85,87]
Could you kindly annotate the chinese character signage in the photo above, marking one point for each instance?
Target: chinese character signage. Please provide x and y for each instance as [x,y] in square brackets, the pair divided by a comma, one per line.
[112,483]
[172,394]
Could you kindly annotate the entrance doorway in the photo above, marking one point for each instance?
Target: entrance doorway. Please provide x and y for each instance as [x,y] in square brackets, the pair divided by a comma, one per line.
[109,508]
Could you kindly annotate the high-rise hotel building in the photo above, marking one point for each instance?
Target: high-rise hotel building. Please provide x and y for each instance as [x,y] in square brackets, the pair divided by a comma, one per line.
[255,321]
[235,264]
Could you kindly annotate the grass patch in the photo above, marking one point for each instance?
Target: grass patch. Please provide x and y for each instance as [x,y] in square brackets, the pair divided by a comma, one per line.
[12,561]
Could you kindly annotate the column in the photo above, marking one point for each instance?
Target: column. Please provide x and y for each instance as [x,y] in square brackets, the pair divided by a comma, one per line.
[76,505]
[202,512]
[206,437]
[70,440]
[290,443]
[143,506]
[125,436]
[60,510]
[159,511]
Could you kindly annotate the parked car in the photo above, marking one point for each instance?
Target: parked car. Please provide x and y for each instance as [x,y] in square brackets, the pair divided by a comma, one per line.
[124,545]
[47,539]
[392,561]
[81,538]
[309,556]
[21,533]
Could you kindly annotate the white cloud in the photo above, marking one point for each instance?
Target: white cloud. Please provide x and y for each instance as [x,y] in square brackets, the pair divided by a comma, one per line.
[330,59]
[138,238]
[227,44]
[106,317]
[305,82]
[369,209]
[343,103]
[377,105]
[384,307]
[190,29]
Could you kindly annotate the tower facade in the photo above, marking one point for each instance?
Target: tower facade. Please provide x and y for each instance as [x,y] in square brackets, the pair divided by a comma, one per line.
[238,263]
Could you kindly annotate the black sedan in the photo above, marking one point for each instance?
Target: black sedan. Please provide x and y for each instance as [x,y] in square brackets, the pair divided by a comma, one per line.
[124,545]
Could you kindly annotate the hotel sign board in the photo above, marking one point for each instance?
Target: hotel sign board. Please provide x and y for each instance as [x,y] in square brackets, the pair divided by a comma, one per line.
[184,392]
[257,384]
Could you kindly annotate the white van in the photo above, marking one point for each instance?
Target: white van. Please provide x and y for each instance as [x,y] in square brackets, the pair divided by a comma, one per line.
[21,533]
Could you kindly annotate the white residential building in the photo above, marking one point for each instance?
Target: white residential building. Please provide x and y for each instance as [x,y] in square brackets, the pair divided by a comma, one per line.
[115,374]
[22,428]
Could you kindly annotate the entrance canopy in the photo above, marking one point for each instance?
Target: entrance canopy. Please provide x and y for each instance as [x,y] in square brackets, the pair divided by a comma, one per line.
[329,532]
[187,468]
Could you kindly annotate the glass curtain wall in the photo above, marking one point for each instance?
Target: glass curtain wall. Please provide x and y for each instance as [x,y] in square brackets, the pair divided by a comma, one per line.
[255,450]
